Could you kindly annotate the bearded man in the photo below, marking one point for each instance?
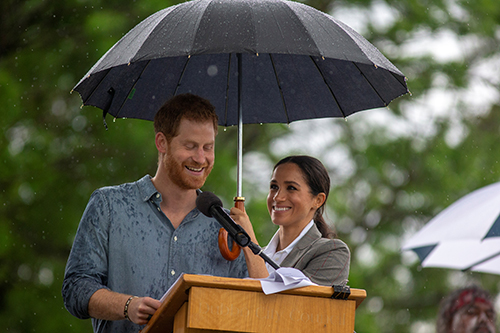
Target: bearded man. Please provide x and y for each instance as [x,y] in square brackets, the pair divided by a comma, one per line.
[134,240]
[467,310]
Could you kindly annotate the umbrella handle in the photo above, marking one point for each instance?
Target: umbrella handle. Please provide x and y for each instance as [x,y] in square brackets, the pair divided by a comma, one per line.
[239,202]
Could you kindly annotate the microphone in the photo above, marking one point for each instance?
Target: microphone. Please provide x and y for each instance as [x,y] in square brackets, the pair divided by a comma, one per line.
[210,205]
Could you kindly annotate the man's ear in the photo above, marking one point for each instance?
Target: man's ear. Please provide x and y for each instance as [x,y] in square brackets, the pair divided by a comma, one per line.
[161,143]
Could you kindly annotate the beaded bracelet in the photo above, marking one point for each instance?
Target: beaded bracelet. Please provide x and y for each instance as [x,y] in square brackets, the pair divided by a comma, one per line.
[125,310]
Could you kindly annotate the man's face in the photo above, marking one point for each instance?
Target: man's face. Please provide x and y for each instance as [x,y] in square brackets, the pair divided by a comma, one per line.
[190,155]
[476,318]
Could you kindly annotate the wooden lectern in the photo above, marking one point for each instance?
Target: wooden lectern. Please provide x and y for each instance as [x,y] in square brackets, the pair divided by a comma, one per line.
[201,304]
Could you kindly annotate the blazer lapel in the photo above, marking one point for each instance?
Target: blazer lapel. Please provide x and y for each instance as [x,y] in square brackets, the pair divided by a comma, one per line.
[304,244]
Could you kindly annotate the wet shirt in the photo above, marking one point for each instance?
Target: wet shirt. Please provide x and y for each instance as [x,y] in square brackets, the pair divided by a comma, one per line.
[126,244]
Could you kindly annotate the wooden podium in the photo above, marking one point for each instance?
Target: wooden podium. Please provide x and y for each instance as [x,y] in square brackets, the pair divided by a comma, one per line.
[200,304]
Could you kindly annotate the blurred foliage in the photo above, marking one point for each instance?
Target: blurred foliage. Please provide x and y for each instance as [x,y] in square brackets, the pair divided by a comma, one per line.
[53,154]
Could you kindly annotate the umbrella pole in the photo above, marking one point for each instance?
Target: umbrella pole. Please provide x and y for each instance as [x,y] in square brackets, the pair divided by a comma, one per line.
[239,176]
[239,200]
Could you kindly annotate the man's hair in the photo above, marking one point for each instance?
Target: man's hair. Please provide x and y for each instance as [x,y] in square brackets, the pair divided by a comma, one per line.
[455,301]
[184,106]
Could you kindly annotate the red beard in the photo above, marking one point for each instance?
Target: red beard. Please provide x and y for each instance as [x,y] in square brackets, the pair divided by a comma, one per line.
[179,176]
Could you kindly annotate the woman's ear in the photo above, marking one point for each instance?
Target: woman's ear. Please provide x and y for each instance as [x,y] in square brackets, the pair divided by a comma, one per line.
[161,142]
[319,200]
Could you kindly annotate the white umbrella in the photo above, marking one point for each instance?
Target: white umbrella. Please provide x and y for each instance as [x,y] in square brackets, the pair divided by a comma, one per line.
[465,236]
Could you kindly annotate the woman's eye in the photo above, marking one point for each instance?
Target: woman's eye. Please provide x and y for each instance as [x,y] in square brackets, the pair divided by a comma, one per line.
[273,187]
[292,188]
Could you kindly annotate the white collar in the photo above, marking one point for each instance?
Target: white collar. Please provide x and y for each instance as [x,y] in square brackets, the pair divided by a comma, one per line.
[270,249]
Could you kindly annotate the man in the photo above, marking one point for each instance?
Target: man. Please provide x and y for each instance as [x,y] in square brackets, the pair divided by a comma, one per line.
[136,239]
[467,310]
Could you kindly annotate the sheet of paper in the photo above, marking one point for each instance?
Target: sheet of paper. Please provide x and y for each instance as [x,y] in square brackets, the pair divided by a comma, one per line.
[283,279]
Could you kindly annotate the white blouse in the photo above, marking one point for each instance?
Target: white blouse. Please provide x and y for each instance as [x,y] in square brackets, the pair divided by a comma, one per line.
[278,257]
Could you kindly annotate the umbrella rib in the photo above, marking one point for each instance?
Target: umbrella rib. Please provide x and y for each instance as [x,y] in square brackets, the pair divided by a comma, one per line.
[96,87]
[132,88]
[227,88]
[181,75]
[329,88]
[361,72]
[279,87]
[480,262]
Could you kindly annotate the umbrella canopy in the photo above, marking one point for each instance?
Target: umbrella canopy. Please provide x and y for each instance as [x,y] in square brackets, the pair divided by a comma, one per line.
[278,60]
[465,236]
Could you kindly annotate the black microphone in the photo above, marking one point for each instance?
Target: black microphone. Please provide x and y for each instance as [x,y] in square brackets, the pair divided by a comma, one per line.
[210,205]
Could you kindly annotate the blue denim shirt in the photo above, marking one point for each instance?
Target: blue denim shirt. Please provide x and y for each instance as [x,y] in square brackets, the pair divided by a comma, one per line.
[126,244]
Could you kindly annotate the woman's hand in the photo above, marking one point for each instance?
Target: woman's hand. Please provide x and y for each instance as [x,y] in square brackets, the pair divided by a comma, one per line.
[255,264]
[241,218]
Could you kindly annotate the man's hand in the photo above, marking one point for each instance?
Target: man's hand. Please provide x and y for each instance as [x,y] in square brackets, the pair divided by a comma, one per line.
[109,305]
[141,309]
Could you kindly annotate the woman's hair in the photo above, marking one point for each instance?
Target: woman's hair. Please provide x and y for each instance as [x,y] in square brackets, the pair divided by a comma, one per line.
[318,180]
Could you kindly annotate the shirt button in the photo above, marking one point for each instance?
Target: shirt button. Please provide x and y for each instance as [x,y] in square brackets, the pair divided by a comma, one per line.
[158,209]
[172,272]
[175,238]
[157,195]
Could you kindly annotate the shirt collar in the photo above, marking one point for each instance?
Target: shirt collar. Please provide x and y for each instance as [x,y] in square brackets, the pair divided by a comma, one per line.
[147,189]
[273,244]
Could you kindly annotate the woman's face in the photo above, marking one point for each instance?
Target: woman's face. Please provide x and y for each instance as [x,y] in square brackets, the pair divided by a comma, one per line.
[290,202]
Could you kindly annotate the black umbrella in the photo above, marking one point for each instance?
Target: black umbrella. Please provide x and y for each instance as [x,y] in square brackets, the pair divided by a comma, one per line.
[257,61]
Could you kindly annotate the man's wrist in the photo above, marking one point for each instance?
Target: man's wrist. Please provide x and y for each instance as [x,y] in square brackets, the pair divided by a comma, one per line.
[127,304]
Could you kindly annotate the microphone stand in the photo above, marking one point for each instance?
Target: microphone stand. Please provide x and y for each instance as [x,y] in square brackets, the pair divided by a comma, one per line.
[258,250]
[239,235]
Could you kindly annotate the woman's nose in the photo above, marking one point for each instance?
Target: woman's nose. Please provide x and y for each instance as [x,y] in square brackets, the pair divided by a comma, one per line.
[278,196]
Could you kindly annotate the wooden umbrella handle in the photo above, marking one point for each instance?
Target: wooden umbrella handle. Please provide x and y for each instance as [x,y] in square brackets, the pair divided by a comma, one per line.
[239,202]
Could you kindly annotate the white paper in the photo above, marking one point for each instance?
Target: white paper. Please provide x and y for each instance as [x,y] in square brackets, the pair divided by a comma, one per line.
[284,278]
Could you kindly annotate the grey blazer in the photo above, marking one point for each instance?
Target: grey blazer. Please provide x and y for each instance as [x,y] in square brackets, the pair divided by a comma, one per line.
[324,261]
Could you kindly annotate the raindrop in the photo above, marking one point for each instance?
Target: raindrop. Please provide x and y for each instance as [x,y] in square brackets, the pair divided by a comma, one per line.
[26,193]
[46,276]
[24,272]
[79,123]
[212,70]
[375,304]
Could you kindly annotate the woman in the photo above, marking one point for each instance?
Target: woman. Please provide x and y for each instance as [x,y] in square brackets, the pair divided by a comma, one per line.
[298,191]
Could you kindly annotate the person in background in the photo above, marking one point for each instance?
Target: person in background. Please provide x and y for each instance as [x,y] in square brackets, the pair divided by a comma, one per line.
[467,310]
[296,201]
[136,239]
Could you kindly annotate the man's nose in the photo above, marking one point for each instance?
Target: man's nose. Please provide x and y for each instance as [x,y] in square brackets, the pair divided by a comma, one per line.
[199,155]
[483,317]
